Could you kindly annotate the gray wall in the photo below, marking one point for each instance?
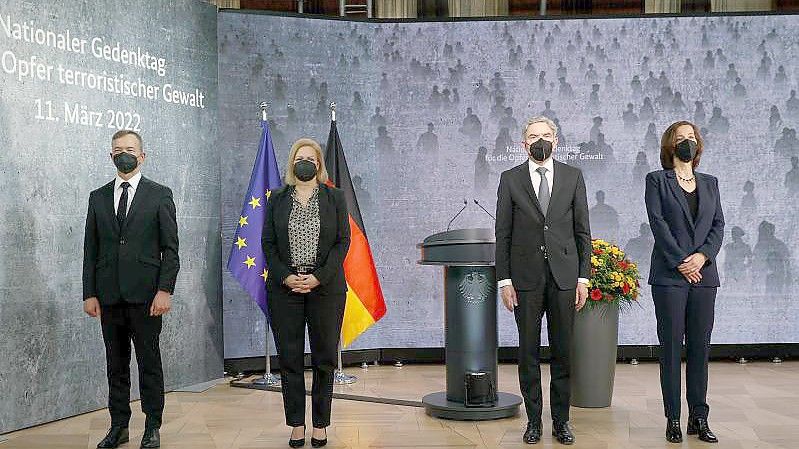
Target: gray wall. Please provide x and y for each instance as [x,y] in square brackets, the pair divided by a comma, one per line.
[52,362]
[410,189]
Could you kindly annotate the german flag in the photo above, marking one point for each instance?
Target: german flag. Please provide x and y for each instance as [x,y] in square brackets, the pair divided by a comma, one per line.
[365,303]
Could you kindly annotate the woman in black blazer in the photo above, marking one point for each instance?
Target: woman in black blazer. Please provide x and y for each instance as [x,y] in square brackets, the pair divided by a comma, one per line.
[685,214]
[305,240]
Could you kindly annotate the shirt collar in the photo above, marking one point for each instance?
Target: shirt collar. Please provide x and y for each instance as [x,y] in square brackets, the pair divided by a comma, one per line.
[549,165]
[134,181]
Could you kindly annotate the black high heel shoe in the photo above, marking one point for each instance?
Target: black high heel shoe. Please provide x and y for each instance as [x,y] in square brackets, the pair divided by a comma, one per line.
[319,443]
[300,442]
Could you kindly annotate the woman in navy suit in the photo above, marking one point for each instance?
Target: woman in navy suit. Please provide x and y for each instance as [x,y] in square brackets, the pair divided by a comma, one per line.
[685,214]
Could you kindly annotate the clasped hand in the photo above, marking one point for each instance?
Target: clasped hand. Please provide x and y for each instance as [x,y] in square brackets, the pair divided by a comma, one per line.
[690,267]
[301,283]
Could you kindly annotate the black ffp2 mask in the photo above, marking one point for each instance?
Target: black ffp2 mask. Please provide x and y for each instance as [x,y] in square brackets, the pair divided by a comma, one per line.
[686,150]
[126,162]
[304,170]
[541,150]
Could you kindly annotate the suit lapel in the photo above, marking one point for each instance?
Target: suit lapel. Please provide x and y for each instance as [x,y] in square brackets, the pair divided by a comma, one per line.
[703,198]
[557,185]
[108,204]
[527,181]
[142,190]
[282,209]
[324,212]
[678,192]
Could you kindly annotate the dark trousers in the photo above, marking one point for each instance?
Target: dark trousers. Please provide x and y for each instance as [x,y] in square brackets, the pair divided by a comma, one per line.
[122,323]
[684,313]
[559,308]
[323,314]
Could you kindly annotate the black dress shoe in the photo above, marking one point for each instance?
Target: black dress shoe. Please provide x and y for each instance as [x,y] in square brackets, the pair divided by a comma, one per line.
[699,426]
[116,436]
[562,433]
[151,438]
[533,433]
[299,442]
[673,431]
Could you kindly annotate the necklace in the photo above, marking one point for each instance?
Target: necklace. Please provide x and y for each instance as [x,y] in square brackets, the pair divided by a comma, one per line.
[686,179]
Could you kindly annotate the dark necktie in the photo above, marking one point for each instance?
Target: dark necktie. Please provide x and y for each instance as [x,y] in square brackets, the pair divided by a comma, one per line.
[543,190]
[122,207]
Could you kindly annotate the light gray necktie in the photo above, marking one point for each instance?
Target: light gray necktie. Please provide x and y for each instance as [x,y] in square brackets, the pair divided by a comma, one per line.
[543,189]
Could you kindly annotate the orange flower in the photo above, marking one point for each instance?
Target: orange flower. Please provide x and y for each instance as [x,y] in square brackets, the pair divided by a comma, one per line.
[597,252]
[625,288]
[596,294]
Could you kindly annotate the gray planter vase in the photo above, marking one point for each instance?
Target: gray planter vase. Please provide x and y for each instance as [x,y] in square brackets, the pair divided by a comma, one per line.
[593,359]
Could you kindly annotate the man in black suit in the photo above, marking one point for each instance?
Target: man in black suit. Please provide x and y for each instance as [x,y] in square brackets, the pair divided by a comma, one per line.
[130,263]
[543,264]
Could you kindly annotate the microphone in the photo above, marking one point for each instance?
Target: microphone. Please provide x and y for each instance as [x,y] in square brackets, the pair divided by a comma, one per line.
[484,210]
[465,203]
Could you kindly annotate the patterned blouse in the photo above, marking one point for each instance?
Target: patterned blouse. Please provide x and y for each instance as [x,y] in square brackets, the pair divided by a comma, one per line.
[304,230]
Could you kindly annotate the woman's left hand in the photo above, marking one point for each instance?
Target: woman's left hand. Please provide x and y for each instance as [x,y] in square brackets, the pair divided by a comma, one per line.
[692,264]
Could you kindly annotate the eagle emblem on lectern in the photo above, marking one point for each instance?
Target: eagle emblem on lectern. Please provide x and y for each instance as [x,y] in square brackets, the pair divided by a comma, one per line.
[474,287]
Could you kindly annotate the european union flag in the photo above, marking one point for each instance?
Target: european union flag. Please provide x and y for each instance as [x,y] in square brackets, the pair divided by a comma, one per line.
[246,262]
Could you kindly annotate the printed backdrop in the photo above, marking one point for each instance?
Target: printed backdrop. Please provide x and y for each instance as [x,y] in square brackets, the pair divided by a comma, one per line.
[432,113]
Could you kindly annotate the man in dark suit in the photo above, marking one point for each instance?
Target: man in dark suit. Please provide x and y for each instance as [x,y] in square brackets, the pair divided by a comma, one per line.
[130,263]
[543,264]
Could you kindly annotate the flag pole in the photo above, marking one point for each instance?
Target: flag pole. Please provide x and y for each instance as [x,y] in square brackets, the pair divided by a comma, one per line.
[268,379]
[339,377]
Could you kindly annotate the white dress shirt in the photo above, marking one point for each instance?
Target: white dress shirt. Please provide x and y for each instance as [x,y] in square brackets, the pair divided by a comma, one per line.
[535,177]
[134,184]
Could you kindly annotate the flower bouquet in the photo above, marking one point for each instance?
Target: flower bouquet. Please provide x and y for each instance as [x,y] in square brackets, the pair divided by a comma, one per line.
[614,278]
